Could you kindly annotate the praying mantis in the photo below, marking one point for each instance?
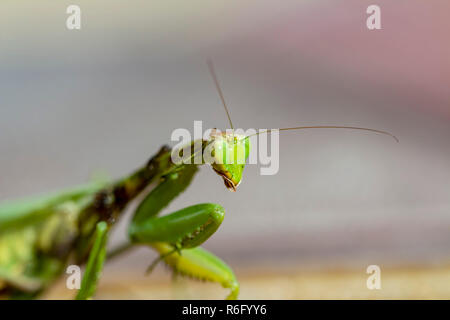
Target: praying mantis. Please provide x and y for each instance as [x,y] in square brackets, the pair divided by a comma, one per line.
[40,236]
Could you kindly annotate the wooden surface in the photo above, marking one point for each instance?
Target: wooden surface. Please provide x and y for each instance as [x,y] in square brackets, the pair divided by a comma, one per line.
[397,283]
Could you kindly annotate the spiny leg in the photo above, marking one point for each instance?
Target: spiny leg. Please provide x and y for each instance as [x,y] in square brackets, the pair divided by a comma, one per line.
[95,263]
[161,257]
[200,264]
[177,237]
[168,189]
[182,230]
[170,186]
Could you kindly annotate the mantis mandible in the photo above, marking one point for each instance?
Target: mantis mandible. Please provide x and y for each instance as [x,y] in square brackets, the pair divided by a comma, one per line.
[39,236]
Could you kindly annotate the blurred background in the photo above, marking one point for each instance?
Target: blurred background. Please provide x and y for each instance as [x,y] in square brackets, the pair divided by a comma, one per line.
[106,97]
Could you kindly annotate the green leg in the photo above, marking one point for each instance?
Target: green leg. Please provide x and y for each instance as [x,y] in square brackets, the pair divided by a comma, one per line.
[95,263]
[176,236]
[183,229]
[200,264]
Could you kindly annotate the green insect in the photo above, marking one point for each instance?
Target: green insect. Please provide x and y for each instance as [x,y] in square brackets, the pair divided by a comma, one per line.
[40,236]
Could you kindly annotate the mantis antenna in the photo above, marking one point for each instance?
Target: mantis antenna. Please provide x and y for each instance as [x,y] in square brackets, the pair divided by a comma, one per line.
[329,127]
[213,75]
[219,90]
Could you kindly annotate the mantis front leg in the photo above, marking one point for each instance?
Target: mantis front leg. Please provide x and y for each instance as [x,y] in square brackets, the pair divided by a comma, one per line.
[177,236]
[200,264]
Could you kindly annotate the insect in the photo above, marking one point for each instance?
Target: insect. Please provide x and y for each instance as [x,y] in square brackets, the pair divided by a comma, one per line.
[39,236]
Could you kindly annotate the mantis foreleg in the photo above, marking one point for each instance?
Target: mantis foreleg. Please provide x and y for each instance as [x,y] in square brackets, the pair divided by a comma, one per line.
[176,236]
[200,264]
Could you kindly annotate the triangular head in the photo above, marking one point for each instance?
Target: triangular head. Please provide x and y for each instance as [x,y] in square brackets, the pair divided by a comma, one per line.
[230,152]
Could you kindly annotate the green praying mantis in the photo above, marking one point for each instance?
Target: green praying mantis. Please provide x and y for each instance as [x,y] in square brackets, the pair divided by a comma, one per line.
[40,236]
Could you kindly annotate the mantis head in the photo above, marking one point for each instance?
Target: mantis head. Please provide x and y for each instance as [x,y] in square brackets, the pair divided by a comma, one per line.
[229,151]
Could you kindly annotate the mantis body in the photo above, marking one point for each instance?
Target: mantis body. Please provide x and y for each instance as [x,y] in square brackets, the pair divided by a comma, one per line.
[41,235]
